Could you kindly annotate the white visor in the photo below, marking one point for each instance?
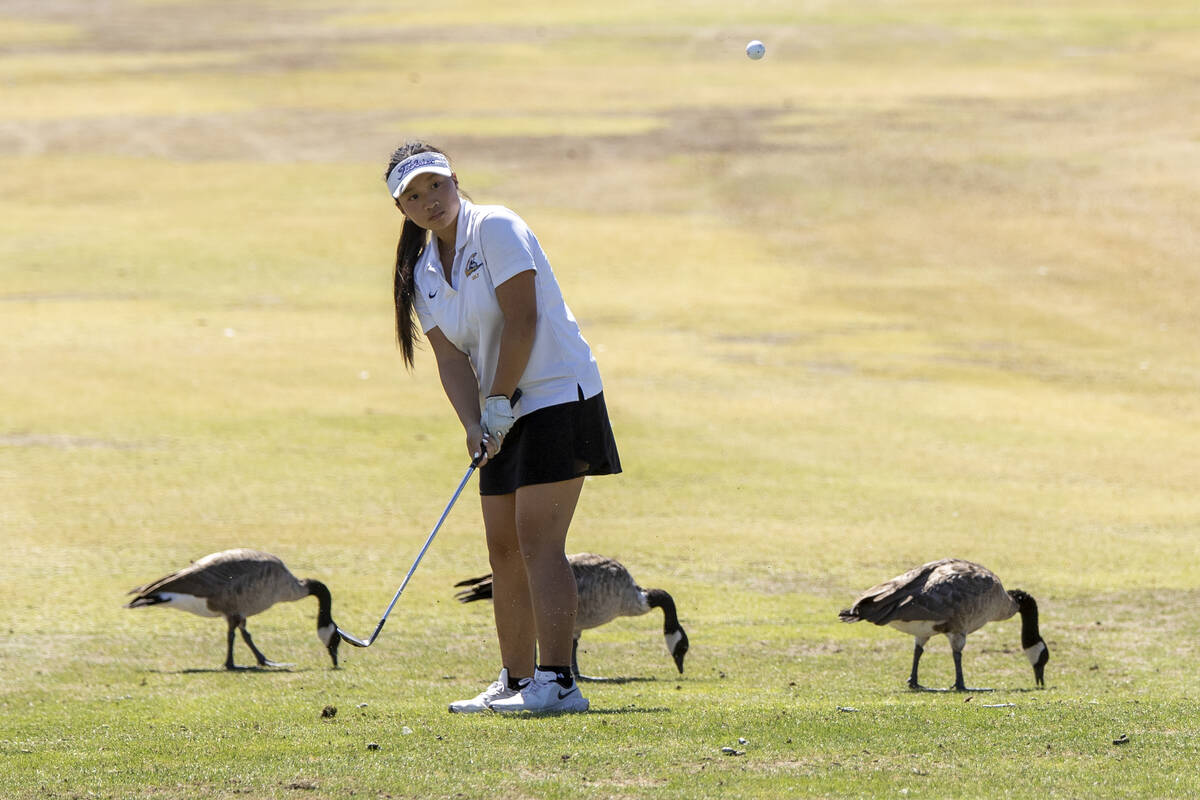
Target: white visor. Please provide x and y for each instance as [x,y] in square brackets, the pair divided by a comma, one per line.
[403,173]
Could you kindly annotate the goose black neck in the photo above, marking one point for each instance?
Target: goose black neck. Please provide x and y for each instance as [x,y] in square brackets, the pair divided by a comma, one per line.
[324,601]
[657,598]
[1027,606]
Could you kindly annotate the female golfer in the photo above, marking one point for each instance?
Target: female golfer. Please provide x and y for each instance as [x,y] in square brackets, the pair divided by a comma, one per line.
[527,391]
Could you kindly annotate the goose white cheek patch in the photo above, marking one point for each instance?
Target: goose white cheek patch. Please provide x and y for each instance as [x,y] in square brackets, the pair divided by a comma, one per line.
[1035,652]
[326,634]
[673,640]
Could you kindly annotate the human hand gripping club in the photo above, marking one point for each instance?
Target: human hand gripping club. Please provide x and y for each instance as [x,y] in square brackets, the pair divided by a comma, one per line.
[497,419]
[478,459]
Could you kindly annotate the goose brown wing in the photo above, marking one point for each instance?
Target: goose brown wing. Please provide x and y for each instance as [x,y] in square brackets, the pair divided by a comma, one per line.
[606,590]
[213,574]
[901,598]
[957,593]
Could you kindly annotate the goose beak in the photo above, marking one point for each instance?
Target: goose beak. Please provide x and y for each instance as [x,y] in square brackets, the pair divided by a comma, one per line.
[329,637]
[1038,654]
[1039,666]
[334,641]
[679,650]
[1039,672]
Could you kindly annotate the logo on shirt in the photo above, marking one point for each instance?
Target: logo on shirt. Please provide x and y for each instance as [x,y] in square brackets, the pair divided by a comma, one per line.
[473,265]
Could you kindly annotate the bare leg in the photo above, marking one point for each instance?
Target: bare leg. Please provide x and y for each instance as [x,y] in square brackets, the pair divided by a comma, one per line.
[543,516]
[510,587]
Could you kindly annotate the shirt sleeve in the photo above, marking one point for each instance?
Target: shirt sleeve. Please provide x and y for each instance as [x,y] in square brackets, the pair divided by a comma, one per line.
[420,304]
[424,317]
[507,245]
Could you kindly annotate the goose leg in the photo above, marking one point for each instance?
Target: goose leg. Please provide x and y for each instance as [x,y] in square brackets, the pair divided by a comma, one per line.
[229,645]
[236,622]
[575,663]
[959,684]
[263,661]
[913,683]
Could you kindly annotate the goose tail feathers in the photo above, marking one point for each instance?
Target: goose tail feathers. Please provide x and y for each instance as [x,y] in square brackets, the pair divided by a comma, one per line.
[475,589]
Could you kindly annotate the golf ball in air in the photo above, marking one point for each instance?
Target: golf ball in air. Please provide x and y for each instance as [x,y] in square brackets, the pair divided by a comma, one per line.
[756,50]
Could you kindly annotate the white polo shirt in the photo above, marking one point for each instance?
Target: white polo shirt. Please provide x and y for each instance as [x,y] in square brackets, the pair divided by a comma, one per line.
[493,244]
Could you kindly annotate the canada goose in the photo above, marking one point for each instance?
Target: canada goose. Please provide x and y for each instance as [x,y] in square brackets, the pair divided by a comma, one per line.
[237,584]
[953,597]
[606,591]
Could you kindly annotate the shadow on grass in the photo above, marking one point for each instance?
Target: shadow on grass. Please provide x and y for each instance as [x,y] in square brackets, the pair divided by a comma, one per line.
[525,715]
[216,670]
[973,690]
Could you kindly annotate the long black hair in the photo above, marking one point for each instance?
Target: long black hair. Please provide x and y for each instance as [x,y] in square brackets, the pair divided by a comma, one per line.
[408,251]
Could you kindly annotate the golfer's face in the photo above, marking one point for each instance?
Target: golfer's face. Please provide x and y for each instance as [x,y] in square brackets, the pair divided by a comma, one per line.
[430,201]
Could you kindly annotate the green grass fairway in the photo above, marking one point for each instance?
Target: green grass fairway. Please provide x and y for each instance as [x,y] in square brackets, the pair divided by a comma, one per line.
[923,282]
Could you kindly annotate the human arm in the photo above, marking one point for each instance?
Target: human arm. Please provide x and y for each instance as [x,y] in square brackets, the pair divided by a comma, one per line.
[517,297]
[518,305]
[508,248]
[461,387]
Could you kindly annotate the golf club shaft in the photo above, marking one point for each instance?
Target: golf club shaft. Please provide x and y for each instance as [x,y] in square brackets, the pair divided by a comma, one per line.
[478,458]
[354,640]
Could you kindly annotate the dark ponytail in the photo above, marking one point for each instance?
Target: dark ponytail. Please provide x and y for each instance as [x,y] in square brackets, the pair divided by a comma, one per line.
[408,251]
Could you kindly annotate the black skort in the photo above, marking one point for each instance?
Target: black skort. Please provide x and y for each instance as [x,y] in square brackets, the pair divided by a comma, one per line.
[552,444]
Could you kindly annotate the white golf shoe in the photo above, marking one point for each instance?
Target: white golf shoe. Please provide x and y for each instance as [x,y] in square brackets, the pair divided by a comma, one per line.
[482,702]
[543,695]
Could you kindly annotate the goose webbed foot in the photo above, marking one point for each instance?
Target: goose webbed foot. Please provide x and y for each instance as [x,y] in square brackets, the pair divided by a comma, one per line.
[591,678]
[576,674]
[959,684]
[916,687]
[266,662]
[262,660]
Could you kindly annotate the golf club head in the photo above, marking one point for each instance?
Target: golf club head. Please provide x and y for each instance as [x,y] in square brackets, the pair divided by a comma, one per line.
[352,639]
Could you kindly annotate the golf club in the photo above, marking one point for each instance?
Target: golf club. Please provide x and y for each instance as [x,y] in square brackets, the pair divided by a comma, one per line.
[354,640]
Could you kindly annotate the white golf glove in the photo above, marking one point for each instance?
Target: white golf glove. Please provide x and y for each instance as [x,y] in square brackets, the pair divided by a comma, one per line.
[497,417]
